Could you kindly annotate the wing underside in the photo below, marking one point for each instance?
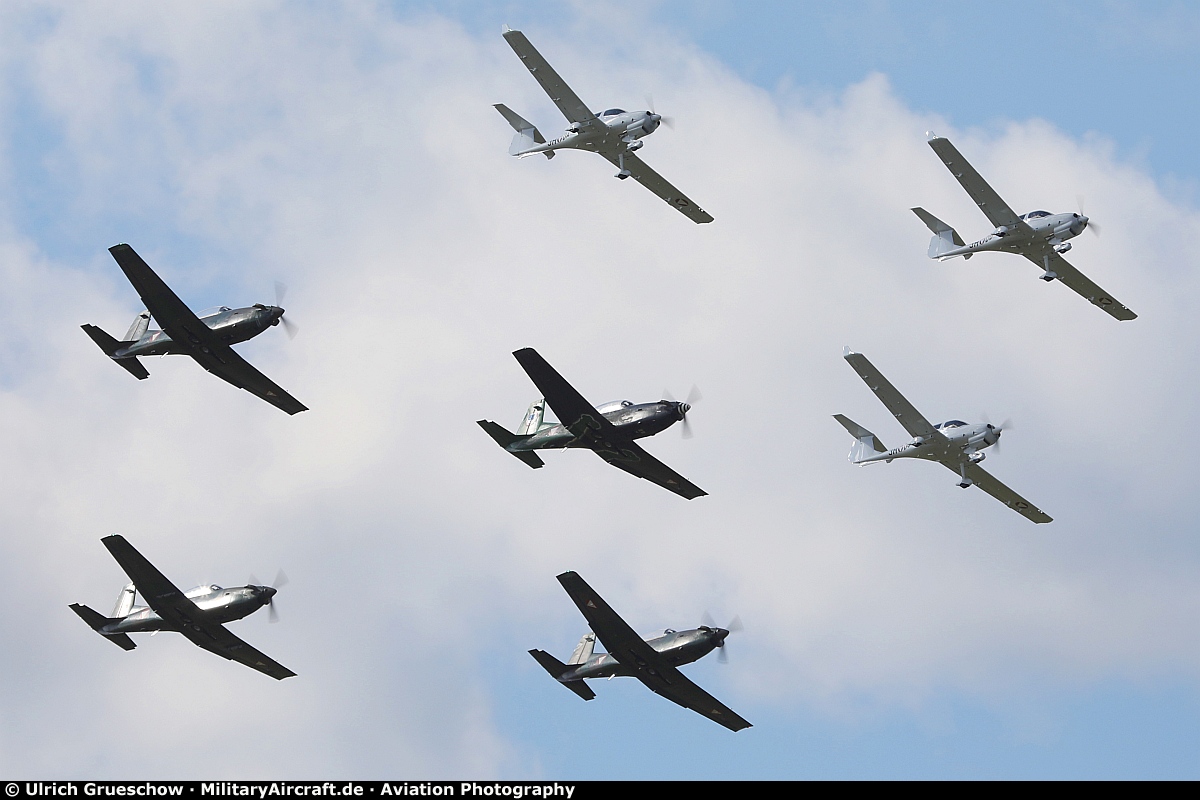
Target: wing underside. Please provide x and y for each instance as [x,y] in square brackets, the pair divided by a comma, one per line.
[649,667]
[904,412]
[1048,259]
[631,458]
[988,483]
[643,174]
[990,203]
[562,95]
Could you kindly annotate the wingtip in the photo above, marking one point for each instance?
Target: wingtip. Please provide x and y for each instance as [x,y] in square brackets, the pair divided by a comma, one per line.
[847,352]
[930,136]
[505,31]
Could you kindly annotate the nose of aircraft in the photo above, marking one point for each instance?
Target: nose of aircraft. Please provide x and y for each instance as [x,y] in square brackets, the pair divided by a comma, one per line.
[682,409]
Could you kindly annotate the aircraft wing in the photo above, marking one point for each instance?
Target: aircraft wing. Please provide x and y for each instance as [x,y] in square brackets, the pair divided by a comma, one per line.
[986,481]
[629,457]
[643,174]
[901,409]
[624,644]
[994,208]
[567,101]
[572,410]
[169,602]
[1078,282]
[189,331]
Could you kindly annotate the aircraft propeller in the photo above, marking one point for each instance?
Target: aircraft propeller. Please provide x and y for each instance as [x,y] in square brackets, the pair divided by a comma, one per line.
[735,625]
[289,326]
[668,121]
[693,397]
[281,580]
[1091,226]
[1007,425]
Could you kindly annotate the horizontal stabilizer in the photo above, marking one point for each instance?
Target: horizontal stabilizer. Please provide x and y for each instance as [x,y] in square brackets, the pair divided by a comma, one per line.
[110,345]
[944,238]
[868,443]
[556,668]
[505,438]
[528,136]
[97,621]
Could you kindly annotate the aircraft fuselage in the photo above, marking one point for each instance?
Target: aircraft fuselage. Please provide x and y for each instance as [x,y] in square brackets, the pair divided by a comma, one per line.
[623,131]
[969,440]
[1050,229]
[234,324]
[679,647]
[218,605]
[631,421]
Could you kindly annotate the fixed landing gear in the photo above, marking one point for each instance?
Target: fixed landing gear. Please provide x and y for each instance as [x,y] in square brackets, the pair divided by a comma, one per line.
[624,173]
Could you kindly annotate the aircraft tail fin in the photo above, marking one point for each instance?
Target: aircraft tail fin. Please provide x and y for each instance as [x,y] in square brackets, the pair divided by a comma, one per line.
[124,602]
[97,621]
[533,418]
[556,668]
[110,345]
[583,650]
[944,238]
[868,444]
[504,438]
[528,136]
[141,323]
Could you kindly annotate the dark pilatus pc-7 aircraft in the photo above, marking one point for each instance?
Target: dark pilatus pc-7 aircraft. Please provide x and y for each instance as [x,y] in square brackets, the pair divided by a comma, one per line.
[206,339]
[608,430]
[652,660]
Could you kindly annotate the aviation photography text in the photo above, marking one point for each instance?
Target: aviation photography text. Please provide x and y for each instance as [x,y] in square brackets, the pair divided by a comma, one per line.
[265,789]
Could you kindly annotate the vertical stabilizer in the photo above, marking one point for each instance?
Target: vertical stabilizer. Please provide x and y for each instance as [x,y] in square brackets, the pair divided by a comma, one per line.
[141,323]
[527,138]
[945,239]
[533,418]
[583,650]
[867,443]
[124,602]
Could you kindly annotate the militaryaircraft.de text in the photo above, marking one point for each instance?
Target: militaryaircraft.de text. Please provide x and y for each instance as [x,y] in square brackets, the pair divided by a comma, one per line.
[955,444]
[1039,235]
[198,613]
[614,133]
[207,339]
[608,430]
[653,660]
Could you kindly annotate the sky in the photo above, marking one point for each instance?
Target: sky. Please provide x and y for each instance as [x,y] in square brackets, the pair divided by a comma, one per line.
[895,626]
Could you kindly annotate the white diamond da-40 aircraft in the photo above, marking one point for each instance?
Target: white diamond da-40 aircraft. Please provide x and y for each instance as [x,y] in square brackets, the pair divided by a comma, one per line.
[206,339]
[652,660]
[607,430]
[1039,235]
[198,613]
[614,133]
[955,444]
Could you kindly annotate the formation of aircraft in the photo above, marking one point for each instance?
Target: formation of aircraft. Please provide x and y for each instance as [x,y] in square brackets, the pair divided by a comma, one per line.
[199,614]
[653,660]
[207,339]
[1039,235]
[955,444]
[607,430]
[614,133]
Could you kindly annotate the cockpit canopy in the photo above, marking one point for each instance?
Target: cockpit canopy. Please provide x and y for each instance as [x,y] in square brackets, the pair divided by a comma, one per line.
[612,112]
[1035,215]
[209,312]
[615,405]
[655,634]
[954,423]
[210,588]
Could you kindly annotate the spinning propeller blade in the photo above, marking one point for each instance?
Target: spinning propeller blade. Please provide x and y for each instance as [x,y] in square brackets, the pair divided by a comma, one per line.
[289,327]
